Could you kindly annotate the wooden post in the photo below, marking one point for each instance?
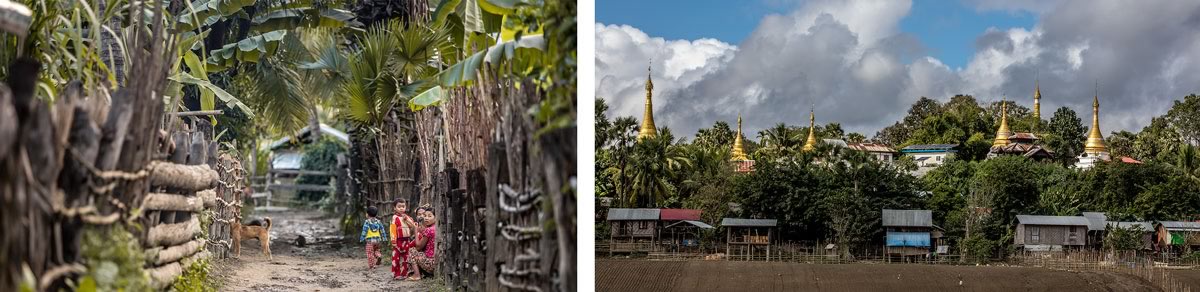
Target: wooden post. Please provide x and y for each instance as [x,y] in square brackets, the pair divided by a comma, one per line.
[497,173]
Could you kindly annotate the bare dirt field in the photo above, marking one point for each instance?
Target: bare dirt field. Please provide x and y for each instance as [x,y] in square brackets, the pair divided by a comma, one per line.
[715,276]
[1190,278]
[315,267]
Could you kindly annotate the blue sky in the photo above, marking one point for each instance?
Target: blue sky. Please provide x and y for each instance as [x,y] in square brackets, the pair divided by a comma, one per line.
[947,28]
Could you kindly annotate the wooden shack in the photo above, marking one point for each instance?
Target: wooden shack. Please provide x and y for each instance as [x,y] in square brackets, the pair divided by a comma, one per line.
[1178,236]
[745,237]
[1050,233]
[1097,222]
[681,230]
[909,232]
[632,230]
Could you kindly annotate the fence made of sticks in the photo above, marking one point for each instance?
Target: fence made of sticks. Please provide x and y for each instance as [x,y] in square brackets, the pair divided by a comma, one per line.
[1156,269]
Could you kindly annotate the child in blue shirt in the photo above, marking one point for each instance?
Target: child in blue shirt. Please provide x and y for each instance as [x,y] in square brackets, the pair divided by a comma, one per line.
[374,234]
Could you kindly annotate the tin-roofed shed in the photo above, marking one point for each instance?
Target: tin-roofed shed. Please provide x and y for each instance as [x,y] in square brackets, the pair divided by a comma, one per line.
[909,232]
[1050,233]
[1178,235]
[1097,221]
[745,237]
[681,230]
[632,230]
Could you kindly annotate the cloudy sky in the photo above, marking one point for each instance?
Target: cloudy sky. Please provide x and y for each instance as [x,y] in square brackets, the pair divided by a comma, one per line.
[862,63]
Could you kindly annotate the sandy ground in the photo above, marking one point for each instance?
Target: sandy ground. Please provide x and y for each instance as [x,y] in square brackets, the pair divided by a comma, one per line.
[315,267]
[715,276]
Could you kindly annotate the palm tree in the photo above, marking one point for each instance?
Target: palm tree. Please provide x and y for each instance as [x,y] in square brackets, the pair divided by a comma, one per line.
[654,162]
[779,141]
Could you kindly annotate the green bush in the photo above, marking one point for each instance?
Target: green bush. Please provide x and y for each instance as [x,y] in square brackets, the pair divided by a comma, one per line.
[114,260]
[195,278]
[979,249]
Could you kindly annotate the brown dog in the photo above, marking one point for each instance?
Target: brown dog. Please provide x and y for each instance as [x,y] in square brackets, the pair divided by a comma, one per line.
[254,229]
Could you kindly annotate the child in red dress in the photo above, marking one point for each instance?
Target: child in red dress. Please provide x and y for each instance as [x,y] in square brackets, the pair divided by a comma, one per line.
[402,231]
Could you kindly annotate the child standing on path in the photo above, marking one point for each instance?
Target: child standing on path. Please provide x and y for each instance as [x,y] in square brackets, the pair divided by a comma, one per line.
[402,231]
[373,233]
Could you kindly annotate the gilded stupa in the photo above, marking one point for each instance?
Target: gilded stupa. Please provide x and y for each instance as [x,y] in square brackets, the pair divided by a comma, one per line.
[1004,132]
[739,151]
[1037,101]
[648,130]
[811,143]
[1094,150]
[1095,141]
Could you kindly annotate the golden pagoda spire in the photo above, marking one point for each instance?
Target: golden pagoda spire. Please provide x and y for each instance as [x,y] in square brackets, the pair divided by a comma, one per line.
[1003,133]
[739,153]
[648,130]
[1095,141]
[1037,100]
[812,137]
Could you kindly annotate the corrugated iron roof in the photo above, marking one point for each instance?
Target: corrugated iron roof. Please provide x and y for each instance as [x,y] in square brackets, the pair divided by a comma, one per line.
[679,214]
[835,142]
[871,147]
[740,222]
[1096,220]
[1052,220]
[620,214]
[928,148]
[1180,225]
[1146,226]
[911,218]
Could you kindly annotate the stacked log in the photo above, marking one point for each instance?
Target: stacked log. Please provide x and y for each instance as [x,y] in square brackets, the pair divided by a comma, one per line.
[183,190]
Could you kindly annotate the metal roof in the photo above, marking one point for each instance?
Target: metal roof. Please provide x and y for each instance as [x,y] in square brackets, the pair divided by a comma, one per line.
[679,214]
[1096,220]
[871,147]
[620,214]
[1146,226]
[1180,225]
[740,222]
[835,142]
[929,147]
[1052,220]
[325,129]
[693,223]
[911,218]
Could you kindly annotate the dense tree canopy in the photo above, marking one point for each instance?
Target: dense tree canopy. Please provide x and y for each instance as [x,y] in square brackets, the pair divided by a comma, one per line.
[836,194]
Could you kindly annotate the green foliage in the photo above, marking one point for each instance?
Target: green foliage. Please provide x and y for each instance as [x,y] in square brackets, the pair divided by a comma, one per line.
[979,249]
[826,200]
[320,156]
[1123,239]
[1065,135]
[114,259]
[1184,117]
[195,278]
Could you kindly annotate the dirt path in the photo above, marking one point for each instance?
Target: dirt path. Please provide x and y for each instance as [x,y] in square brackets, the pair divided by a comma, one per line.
[315,267]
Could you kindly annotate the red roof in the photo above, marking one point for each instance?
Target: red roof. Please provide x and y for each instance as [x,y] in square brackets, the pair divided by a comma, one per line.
[679,214]
[1127,159]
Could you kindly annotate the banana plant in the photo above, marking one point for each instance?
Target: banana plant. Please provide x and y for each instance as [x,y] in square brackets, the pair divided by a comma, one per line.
[473,18]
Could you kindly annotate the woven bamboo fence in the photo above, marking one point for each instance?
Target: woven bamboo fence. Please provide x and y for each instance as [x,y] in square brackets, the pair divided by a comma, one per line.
[91,159]
[196,184]
[493,184]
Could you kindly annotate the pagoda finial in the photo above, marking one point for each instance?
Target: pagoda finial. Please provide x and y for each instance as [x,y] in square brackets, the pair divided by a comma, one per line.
[811,143]
[1037,100]
[648,130]
[1003,133]
[1095,141]
[739,152]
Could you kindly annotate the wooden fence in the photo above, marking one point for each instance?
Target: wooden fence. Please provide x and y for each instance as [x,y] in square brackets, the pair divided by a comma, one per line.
[505,218]
[1139,264]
